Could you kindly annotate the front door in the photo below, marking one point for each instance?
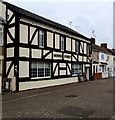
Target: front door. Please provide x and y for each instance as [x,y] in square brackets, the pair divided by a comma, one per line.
[87,73]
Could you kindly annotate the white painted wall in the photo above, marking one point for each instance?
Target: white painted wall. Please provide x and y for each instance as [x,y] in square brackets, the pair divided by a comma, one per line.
[46,83]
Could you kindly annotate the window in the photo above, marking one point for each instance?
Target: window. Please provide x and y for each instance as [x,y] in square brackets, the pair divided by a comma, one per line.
[1,36]
[76,68]
[88,49]
[62,43]
[41,38]
[40,70]
[102,57]
[77,46]
[114,69]
[0,66]
[102,68]
[114,59]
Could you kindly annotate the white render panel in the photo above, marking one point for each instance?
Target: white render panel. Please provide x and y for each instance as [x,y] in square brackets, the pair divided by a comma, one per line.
[57,41]
[35,40]
[62,64]
[73,45]
[36,53]
[80,58]
[2,10]
[23,69]
[57,53]
[62,72]
[67,57]
[10,13]
[11,74]
[81,47]
[56,72]
[50,39]
[68,44]
[8,39]
[23,34]
[10,52]
[53,29]
[46,83]
[85,49]
[24,52]
[12,31]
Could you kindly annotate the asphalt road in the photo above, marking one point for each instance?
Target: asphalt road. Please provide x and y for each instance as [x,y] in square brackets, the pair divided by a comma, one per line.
[93,99]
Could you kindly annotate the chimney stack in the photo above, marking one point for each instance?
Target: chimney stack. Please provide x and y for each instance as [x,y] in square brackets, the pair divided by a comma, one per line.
[93,40]
[104,45]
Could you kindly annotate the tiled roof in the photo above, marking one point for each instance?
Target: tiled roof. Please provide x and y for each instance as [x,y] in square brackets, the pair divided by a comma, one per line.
[25,13]
[97,48]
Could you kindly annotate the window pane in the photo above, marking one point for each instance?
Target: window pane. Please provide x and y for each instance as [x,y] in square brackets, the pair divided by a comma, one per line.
[41,38]
[47,69]
[40,69]
[77,46]
[1,42]
[76,68]
[62,43]
[34,69]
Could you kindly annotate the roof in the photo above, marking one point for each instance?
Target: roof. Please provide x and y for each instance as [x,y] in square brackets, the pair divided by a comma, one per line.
[37,18]
[105,50]
[97,48]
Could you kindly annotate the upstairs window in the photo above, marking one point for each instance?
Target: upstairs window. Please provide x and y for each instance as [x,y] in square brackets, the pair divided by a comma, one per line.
[62,43]
[77,46]
[88,49]
[1,36]
[41,38]
[102,57]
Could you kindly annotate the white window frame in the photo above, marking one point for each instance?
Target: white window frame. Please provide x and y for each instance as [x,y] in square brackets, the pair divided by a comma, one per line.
[44,71]
[41,35]
[1,32]
[62,43]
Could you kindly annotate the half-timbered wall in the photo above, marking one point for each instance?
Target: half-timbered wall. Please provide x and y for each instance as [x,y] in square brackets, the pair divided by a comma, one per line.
[22,48]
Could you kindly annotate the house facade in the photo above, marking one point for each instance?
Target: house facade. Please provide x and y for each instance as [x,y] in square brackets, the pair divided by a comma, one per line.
[41,53]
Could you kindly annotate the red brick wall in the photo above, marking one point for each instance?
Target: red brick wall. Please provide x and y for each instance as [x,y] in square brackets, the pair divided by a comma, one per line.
[98,76]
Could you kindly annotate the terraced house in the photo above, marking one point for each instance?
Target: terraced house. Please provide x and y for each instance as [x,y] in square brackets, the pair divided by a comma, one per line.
[39,52]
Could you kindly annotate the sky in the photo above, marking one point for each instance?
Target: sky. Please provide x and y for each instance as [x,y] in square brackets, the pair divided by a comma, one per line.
[85,16]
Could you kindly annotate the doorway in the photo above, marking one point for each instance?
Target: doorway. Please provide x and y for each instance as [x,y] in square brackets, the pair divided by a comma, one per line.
[87,72]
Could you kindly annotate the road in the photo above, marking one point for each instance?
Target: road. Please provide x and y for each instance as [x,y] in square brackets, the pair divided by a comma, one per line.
[92,99]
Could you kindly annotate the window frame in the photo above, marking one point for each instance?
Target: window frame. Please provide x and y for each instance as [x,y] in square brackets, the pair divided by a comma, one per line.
[76,65]
[43,38]
[1,32]
[77,46]
[43,72]
[102,57]
[62,42]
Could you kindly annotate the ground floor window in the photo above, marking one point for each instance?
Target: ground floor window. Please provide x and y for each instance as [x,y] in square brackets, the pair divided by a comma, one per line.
[76,69]
[40,69]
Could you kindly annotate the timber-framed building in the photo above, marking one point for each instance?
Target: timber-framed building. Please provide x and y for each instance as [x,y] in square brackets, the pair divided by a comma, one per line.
[39,52]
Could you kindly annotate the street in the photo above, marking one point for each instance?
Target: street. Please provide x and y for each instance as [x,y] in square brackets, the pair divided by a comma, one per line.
[92,99]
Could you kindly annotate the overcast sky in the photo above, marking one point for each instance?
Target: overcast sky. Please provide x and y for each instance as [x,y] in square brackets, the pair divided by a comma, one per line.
[85,16]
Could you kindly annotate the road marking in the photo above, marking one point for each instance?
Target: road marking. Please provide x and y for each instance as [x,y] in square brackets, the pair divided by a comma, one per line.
[42,94]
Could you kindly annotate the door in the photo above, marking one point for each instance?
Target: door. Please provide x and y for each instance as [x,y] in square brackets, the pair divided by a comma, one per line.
[87,73]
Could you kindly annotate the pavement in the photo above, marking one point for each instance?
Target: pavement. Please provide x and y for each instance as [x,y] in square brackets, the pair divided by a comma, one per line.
[92,99]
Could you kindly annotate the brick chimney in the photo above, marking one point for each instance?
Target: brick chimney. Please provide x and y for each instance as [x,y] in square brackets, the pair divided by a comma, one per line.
[93,40]
[104,45]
